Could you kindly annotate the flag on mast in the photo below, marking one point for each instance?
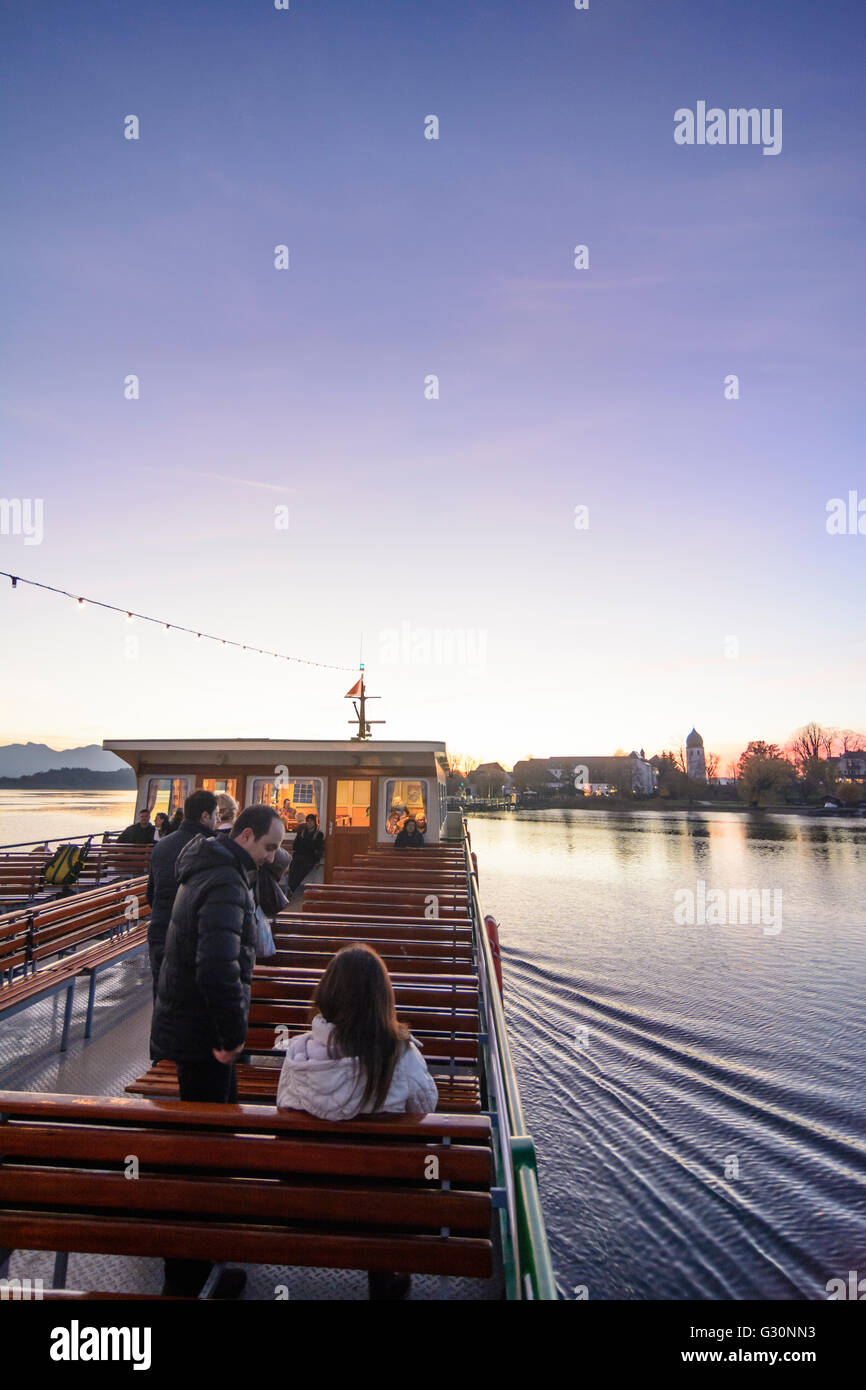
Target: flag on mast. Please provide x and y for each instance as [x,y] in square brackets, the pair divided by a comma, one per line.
[355,691]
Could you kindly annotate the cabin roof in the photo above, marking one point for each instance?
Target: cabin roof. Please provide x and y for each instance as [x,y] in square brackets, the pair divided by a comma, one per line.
[251,745]
[266,754]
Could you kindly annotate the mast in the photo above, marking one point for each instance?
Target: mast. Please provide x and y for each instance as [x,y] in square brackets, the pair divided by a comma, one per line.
[359,698]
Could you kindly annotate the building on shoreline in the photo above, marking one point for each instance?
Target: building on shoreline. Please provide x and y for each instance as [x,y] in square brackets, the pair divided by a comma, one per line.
[696,762]
[588,775]
[852,766]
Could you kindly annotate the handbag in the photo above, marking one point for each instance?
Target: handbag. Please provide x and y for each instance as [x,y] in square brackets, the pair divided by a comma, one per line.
[265,945]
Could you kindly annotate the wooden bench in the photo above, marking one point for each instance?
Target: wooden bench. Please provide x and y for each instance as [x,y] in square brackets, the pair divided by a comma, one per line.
[21,872]
[458,1094]
[73,930]
[246,1183]
[345,900]
[444,1020]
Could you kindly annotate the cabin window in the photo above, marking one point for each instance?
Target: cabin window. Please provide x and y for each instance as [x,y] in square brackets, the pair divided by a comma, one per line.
[166,794]
[298,799]
[295,799]
[221,784]
[402,800]
[353,804]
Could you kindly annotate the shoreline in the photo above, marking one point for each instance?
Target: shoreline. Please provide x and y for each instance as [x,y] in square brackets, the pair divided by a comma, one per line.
[695,807]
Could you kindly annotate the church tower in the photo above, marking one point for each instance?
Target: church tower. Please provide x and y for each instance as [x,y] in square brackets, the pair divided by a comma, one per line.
[696,763]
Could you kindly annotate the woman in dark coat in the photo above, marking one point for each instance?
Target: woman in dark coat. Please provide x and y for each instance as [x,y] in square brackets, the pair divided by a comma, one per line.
[410,836]
[307,850]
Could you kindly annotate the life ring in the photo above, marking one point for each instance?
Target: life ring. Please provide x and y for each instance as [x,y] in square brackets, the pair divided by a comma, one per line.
[491,926]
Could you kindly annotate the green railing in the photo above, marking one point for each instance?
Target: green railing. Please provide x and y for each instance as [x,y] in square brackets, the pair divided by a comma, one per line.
[526,1255]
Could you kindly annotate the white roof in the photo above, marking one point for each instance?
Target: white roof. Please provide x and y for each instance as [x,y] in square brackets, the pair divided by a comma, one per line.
[251,745]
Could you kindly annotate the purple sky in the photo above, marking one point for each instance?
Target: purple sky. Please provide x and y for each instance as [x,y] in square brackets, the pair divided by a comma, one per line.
[706,590]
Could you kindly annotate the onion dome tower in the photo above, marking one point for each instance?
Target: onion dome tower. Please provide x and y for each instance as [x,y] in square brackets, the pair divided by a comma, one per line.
[696,763]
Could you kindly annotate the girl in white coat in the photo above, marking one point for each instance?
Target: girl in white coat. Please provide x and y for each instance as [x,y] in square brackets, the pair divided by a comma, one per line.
[357,1059]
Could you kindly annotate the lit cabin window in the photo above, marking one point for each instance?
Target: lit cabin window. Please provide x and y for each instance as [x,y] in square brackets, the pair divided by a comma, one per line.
[402,800]
[300,799]
[166,794]
[221,784]
[353,804]
[295,800]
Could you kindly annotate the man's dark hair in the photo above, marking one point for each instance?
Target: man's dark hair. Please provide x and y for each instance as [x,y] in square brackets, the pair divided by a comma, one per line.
[198,804]
[259,819]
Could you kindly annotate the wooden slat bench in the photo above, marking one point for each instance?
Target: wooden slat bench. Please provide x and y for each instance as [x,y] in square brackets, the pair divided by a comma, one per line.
[246,1183]
[459,1094]
[21,873]
[444,1022]
[74,931]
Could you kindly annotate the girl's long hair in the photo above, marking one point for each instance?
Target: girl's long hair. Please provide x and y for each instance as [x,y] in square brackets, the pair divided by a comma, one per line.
[355,995]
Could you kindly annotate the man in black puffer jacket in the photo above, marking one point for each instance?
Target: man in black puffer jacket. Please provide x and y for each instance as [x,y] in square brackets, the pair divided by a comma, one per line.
[199,818]
[203,995]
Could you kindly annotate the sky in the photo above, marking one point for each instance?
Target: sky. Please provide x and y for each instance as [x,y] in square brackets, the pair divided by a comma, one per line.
[287,477]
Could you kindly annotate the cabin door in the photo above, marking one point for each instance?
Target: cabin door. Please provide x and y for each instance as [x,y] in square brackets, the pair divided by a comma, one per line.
[351,814]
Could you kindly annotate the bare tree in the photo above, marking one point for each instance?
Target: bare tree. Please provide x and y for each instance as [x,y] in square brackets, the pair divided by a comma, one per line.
[811,743]
[712,762]
[461,764]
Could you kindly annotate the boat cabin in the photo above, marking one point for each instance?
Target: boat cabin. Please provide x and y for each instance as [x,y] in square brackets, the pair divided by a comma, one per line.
[361,792]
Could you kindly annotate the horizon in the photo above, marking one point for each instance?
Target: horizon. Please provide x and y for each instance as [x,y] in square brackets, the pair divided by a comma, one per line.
[517,477]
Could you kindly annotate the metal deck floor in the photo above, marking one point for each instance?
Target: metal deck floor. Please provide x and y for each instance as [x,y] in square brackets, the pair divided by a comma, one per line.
[114,1055]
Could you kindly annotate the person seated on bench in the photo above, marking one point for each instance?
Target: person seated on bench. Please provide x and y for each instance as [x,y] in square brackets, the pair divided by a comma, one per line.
[141,832]
[160,825]
[357,1060]
[410,836]
[307,850]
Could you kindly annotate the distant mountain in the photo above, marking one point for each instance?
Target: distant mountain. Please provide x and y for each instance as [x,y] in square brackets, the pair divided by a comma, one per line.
[79,777]
[20,759]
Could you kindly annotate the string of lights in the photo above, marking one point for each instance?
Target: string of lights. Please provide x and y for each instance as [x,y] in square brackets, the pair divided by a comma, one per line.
[132,616]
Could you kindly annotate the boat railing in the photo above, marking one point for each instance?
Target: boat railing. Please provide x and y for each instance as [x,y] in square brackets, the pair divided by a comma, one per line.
[104,837]
[528,1266]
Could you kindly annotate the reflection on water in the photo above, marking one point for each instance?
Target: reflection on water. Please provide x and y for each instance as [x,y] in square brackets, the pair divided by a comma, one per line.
[27,815]
[695,1091]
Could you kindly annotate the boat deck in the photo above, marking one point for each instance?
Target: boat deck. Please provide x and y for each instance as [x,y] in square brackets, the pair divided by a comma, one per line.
[114,1056]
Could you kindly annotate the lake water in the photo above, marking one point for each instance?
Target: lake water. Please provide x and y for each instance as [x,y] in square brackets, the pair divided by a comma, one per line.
[27,815]
[695,1088]
[695,1091]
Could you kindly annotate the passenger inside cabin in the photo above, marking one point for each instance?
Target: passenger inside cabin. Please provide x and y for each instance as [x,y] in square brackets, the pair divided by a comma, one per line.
[141,832]
[176,821]
[410,836]
[307,851]
[160,825]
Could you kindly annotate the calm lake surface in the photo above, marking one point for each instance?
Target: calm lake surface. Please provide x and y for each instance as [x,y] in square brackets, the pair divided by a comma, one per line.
[695,1087]
[26,815]
[696,1092]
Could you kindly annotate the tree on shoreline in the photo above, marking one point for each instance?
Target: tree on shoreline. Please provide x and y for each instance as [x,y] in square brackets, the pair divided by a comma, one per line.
[763,771]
